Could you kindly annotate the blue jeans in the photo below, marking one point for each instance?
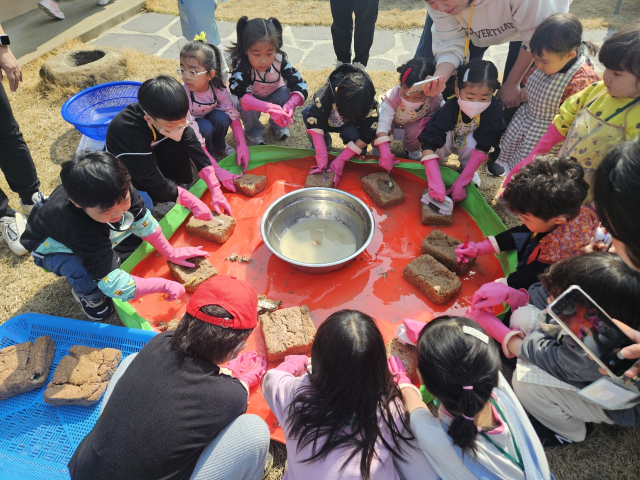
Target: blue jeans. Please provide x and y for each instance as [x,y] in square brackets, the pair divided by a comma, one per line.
[199,16]
[213,128]
[424,45]
[70,266]
[251,118]
[348,132]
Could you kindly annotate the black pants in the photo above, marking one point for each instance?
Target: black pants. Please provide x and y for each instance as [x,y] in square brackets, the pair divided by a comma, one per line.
[15,160]
[366,12]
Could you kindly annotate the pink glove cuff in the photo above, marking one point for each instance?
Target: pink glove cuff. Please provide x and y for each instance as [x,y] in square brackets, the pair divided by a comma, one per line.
[428,158]
[354,148]
[383,139]
[485,247]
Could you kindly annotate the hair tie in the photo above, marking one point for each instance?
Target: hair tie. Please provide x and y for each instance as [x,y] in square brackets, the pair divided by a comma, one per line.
[200,38]
[406,74]
[468,418]
[467,387]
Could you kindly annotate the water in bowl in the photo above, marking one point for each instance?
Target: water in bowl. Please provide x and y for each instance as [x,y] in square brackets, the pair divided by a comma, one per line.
[317,240]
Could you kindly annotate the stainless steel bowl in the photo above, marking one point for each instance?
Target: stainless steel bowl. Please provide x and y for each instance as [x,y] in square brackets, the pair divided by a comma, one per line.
[326,203]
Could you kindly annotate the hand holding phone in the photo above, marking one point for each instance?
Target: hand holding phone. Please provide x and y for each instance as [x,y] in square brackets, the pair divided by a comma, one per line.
[431,86]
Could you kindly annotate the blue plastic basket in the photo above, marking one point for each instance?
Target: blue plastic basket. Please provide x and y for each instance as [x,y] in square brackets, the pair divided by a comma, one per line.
[38,440]
[91,110]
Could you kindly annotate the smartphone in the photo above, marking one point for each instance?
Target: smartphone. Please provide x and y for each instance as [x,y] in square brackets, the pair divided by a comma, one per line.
[593,329]
[417,87]
[608,394]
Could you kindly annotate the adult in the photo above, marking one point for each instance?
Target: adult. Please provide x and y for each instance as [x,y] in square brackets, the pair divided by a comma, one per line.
[51,8]
[171,412]
[342,29]
[463,30]
[15,160]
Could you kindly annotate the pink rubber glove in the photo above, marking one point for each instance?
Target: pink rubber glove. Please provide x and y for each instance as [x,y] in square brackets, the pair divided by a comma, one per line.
[458,190]
[321,151]
[276,112]
[296,365]
[397,370]
[495,293]
[413,329]
[174,255]
[495,329]
[474,250]
[544,145]
[294,101]
[144,286]
[436,185]
[338,164]
[242,151]
[248,367]
[387,160]
[216,174]
[218,201]
[193,203]
[424,121]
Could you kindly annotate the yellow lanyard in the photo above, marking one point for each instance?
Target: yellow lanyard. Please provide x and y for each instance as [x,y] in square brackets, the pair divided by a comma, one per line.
[467,34]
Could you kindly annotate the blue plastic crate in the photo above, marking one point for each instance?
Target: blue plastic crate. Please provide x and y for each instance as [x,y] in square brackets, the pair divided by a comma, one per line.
[38,440]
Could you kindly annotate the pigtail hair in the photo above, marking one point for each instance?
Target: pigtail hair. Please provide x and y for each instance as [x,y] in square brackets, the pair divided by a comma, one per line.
[236,51]
[278,26]
[216,81]
[591,48]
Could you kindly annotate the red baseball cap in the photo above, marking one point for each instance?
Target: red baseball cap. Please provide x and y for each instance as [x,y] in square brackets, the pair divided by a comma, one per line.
[236,296]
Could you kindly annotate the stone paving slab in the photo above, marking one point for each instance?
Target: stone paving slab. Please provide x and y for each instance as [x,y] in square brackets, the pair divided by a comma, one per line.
[307,47]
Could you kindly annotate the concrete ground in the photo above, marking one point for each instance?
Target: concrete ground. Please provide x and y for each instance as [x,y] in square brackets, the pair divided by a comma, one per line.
[306,47]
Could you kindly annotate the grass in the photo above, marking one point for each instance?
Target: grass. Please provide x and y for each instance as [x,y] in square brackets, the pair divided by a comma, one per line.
[392,14]
[610,453]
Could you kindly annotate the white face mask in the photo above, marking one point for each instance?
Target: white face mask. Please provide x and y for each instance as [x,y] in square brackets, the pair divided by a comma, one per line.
[175,135]
[472,109]
[411,105]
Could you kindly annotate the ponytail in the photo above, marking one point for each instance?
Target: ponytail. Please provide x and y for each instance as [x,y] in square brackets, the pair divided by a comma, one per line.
[252,31]
[208,55]
[237,50]
[278,26]
[591,48]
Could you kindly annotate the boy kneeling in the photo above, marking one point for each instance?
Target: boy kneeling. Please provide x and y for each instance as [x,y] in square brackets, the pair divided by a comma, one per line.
[84,231]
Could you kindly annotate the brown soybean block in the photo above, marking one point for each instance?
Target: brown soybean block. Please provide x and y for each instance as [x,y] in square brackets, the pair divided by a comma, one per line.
[289,331]
[266,305]
[406,353]
[428,216]
[217,230]
[376,185]
[250,184]
[193,276]
[25,366]
[317,180]
[442,247]
[81,377]
[433,279]
[172,325]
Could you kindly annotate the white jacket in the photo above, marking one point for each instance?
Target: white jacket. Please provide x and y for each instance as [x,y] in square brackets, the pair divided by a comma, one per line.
[494,22]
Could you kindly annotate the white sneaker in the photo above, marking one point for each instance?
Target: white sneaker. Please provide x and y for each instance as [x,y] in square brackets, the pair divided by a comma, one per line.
[359,66]
[256,140]
[103,2]
[50,7]
[415,155]
[38,198]
[476,179]
[282,133]
[12,229]
[229,150]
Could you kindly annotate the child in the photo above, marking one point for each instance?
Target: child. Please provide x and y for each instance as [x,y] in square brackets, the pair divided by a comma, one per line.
[171,411]
[263,80]
[83,230]
[155,141]
[602,114]
[489,434]
[346,419]
[345,104]
[469,125]
[405,115]
[209,100]
[547,195]
[552,367]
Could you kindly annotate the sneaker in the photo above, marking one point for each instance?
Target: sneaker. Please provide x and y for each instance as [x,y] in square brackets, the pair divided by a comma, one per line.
[12,229]
[162,208]
[37,198]
[282,133]
[97,310]
[257,140]
[229,150]
[476,179]
[102,3]
[328,141]
[359,66]
[493,168]
[415,155]
[375,151]
[51,8]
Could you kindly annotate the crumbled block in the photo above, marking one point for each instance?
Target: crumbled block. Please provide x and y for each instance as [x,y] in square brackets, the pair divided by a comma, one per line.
[289,331]
[376,185]
[217,230]
[442,247]
[250,184]
[192,277]
[428,216]
[81,377]
[25,366]
[406,353]
[317,180]
[266,305]
[433,279]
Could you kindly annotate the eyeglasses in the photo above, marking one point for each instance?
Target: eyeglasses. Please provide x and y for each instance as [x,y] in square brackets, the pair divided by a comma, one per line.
[190,74]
